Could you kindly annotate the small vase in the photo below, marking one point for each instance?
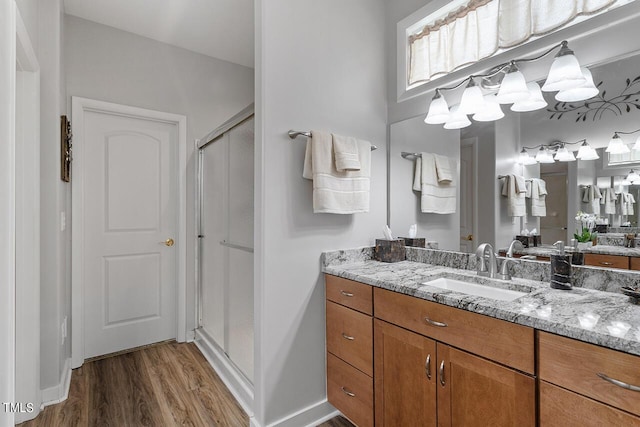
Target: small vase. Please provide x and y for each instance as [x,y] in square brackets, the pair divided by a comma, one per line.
[584,245]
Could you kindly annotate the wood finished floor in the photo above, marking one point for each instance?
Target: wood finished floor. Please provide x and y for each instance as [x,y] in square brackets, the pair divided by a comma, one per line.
[166,385]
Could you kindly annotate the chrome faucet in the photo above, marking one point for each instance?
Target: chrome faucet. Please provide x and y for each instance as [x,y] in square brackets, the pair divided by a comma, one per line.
[514,245]
[505,274]
[487,265]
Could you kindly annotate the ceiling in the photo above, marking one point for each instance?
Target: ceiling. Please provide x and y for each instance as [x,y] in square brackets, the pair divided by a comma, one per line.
[218,28]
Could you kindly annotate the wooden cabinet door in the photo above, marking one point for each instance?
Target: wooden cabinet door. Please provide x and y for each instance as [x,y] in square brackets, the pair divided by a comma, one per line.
[473,391]
[405,377]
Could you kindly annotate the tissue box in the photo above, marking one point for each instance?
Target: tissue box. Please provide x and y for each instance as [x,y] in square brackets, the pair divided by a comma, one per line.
[602,228]
[529,241]
[390,250]
[417,242]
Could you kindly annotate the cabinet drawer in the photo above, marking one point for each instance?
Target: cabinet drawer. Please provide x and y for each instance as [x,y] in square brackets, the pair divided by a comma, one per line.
[634,263]
[562,407]
[350,391]
[609,261]
[498,340]
[575,365]
[352,294]
[350,336]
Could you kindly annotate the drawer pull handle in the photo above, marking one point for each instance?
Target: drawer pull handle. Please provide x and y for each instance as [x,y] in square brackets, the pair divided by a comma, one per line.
[347,392]
[606,263]
[442,373]
[347,337]
[427,366]
[434,323]
[346,294]
[618,382]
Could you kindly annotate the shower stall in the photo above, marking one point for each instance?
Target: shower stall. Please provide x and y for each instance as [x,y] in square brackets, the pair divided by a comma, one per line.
[225,252]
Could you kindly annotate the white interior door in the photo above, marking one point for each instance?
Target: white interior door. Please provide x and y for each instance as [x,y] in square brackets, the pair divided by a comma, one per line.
[129,213]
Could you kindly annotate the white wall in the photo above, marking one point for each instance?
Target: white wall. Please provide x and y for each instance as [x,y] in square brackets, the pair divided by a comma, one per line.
[107,64]
[7,208]
[414,135]
[314,70]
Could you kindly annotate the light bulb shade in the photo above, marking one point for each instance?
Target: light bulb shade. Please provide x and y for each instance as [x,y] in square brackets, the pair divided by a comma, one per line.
[544,156]
[636,146]
[491,110]
[457,120]
[564,155]
[564,74]
[472,100]
[617,146]
[535,101]
[586,152]
[633,176]
[513,88]
[525,159]
[585,91]
[438,111]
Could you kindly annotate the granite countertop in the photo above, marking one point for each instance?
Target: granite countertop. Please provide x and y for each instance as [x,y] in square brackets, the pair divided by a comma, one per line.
[613,250]
[544,308]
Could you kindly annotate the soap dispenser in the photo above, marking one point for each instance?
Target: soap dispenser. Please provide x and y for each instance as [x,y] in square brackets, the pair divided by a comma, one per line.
[560,268]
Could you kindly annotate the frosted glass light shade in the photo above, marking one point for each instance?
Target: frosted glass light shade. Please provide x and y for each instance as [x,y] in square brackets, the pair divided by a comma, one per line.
[535,101]
[585,91]
[472,100]
[438,110]
[564,155]
[586,152]
[457,120]
[633,176]
[617,146]
[513,88]
[544,156]
[491,110]
[636,146]
[564,74]
[525,159]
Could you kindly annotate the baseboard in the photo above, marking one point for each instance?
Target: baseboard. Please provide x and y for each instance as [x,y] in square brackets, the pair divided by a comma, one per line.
[237,384]
[191,336]
[59,392]
[310,416]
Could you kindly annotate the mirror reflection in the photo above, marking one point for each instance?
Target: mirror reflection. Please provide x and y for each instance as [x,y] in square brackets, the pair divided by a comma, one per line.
[486,151]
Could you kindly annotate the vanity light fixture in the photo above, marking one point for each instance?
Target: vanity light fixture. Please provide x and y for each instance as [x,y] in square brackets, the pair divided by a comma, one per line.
[632,177]
[509,85]
[562,154]
[457,119]
[617,145]
[491,111]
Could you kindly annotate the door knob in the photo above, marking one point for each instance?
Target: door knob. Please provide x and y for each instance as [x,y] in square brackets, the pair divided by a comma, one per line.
[469,237]
[168,242]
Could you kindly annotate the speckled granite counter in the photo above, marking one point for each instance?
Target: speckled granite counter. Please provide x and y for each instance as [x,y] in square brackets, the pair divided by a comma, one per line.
[542,308]
[613,250]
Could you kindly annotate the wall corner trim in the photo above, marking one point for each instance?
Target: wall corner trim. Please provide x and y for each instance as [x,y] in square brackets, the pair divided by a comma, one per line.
[59,392]
[310,416]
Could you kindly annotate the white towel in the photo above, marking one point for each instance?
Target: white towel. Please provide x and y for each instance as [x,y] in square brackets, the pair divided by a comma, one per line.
[336,192]
[538,197]
[345,149]
[514,189]
[435,197]
[626,204]
[443,169]
[608,200]
[592,198]
[417,174]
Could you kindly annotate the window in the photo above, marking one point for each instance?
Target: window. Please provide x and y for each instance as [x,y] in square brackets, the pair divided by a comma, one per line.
[466,31]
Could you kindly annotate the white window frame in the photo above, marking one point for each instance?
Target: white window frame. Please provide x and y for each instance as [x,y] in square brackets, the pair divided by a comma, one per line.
[438,9]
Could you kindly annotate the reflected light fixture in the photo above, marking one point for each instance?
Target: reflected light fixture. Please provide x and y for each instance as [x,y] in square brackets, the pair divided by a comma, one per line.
[491,111]
[457,120]
[564,155]
[535,101]
[586,152]
[617,145]
[632,177]
[509,86]
[544,156]
[525,159]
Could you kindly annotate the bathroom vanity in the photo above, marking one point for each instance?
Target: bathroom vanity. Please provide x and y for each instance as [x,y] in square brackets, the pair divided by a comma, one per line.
[403,352]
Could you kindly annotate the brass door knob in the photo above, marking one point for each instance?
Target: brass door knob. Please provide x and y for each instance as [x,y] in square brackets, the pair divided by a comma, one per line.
[470,237]
[169,242]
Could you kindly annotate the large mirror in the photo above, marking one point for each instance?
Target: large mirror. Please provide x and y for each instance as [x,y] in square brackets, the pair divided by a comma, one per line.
[485,151]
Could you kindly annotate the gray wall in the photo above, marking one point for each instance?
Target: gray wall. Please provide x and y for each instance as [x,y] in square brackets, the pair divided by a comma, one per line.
[107,64]
[314,70]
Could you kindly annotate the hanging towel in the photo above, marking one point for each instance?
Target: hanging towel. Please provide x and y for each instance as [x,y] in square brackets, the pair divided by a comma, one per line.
[443,169]
[514,189]
[439,198]
[630,202]
[417,175]
[626,204]
[345,149]
[538,197]
[333,191]
[608,200]
[591,197]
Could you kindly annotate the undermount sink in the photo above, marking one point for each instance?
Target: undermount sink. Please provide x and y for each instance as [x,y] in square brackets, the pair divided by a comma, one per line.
[475,289]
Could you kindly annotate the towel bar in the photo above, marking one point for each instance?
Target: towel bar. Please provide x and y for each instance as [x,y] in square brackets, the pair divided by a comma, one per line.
[406,155]
[293,134]
[504,176]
